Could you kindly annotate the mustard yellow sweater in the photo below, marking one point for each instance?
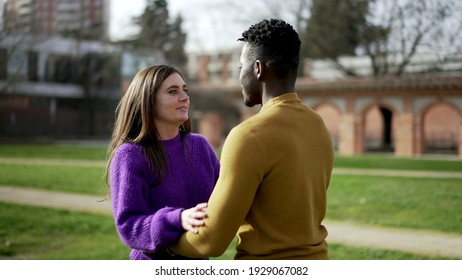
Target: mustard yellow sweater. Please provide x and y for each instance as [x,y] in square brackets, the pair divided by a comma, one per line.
[275,170]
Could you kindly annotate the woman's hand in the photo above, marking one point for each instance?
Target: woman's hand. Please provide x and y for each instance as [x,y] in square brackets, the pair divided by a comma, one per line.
[193,217]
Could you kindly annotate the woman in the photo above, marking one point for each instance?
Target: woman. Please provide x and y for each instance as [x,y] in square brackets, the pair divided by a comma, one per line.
[157,168]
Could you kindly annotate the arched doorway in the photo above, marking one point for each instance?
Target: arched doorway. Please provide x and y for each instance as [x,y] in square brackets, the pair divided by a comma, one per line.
[379,127]
[440,129]
[331,116]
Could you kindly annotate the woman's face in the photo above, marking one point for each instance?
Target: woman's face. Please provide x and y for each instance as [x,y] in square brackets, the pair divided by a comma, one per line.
[172,102]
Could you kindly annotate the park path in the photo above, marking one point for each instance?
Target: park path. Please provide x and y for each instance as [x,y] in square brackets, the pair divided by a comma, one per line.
[418,242]
[336,171]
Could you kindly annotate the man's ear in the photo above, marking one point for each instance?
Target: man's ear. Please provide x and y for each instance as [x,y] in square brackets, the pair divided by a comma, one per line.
[259,69]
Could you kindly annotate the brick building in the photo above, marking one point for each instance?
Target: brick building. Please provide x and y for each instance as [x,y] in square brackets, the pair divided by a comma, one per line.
[410,115]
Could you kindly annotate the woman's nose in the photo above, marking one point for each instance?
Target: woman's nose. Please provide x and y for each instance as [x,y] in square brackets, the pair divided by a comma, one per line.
[184,96]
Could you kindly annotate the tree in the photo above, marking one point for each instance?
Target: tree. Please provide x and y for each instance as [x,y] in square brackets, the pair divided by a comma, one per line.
[389,33]
[333,28]
[159,33]
[175,48]
[397,30]
[95,74]
[15,41]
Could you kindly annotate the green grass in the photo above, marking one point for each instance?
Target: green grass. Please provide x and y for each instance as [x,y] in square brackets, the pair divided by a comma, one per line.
[431,204]
[39,233]
[78,179]
[53,152]
[384,201]
[341,252]
[362,161]
[423,203]
[391,162]
[35,233]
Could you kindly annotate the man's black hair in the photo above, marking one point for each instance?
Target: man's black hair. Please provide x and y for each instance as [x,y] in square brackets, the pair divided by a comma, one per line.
[276,43]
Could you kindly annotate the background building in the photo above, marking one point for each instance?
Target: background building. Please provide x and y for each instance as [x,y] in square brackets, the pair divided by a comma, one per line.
[57,87]
[86,19]
[59,77]
[416,113]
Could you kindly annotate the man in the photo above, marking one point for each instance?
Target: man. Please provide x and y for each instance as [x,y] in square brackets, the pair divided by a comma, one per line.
[275,166]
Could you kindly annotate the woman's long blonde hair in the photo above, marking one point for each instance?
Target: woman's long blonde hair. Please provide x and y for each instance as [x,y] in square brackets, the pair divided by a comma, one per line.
[134,121]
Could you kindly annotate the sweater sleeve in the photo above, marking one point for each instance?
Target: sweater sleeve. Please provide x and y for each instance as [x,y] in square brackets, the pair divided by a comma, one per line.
[231,199]
[138,224]
[213,158]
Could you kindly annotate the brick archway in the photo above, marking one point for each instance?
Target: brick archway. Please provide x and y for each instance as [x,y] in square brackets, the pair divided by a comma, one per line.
[405,97]
[441,126]
[379,127]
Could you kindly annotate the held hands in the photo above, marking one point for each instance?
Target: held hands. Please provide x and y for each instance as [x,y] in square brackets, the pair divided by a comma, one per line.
[193,218]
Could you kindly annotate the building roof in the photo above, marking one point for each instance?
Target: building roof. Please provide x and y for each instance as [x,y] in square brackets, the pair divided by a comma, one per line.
[412,82]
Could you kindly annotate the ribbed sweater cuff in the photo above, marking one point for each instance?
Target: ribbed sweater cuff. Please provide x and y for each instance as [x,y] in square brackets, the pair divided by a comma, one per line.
[166,226]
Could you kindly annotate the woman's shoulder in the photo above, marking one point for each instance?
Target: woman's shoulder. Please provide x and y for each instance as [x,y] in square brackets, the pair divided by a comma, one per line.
[196,138]
[129,150]
[198,141]
[129,158]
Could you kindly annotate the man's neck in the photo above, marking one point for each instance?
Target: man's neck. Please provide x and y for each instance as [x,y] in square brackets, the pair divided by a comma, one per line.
[274,92]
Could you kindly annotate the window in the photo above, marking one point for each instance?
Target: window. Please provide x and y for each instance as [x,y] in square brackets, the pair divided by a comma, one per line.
[3,63]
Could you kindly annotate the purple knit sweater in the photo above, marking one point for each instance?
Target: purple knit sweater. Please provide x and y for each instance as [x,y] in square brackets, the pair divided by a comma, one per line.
[147,216]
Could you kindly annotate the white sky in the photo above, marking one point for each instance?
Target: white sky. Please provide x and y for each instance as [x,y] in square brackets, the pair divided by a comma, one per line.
[207,26]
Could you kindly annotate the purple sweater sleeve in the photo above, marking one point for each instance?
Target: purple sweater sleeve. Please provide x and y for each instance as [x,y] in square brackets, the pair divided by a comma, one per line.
[213,158]
[139,226]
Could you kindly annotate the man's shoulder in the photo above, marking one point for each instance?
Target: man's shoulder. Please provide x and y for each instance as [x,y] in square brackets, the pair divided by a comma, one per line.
[251,127]
[247,124]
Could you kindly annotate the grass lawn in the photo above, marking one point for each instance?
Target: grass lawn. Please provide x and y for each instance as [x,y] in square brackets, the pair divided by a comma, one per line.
[53,152]
[78,179]
[391,162]
[423,203]
[341,252]
[35,233]
[40,233]
[362,161]
[433,204]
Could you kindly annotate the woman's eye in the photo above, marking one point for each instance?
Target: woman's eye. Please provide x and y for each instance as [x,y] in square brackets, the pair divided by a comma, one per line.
[172,92]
